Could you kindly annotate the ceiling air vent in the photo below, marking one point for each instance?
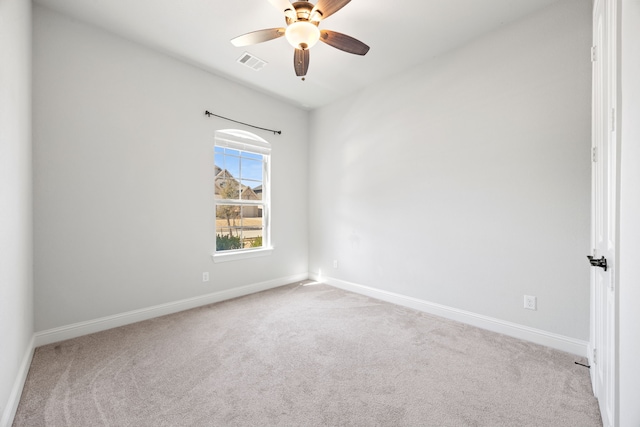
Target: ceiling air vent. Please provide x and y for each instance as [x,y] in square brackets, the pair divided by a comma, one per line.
[251,61]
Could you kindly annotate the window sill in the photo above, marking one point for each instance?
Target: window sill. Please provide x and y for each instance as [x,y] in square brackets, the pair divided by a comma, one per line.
[234,256]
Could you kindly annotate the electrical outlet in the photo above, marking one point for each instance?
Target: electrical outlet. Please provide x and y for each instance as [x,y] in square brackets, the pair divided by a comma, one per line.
[335,263]
[205,276]
[530,303]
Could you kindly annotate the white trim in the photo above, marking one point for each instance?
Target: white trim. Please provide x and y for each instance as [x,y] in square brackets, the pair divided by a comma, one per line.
[243,141]
[104,323]
[592,372]
[242,254]
[239,139]
[16,391]
[538,336]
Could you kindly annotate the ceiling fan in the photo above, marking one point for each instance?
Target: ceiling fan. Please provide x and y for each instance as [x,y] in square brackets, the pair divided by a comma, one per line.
[302,31]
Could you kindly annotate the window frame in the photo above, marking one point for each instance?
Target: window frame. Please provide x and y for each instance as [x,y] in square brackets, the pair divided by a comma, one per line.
[249,143]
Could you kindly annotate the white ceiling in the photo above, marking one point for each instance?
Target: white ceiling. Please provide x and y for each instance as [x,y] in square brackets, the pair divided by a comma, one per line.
[400,34]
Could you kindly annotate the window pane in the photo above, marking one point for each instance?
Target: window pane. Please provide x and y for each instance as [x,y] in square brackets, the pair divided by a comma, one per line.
[227,188]
[238,227]
[251,169]
[258,191]
[232,165]
[228,227]
[249,190]
[219,162]
[252,226]
[238,173]
[229,160]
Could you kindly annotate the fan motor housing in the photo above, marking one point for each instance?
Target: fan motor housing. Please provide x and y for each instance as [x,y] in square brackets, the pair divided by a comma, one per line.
[303,12]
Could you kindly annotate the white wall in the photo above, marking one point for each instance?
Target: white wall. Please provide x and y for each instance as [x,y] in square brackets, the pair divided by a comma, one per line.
[123,184]
[629,267]
[16,272]
[465,181]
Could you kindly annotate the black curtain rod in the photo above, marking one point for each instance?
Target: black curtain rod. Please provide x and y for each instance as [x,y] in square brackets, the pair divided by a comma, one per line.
[279,132]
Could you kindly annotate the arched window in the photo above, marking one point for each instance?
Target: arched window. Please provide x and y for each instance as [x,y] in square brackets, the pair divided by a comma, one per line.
[242,199]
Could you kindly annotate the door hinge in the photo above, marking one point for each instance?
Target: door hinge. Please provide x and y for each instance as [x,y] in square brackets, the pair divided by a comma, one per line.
[595,356]
[594,54]
[613,119]
[594,154]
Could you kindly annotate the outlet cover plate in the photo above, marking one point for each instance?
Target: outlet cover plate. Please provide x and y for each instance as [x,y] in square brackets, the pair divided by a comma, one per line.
[530,302]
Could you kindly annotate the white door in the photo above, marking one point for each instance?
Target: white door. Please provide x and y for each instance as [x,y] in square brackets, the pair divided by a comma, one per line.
[604,208]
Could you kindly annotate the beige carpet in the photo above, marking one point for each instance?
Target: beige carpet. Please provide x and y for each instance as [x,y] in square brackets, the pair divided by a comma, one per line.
[304,356]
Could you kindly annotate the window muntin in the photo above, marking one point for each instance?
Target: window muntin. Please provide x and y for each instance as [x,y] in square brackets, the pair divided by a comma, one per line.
[241,193]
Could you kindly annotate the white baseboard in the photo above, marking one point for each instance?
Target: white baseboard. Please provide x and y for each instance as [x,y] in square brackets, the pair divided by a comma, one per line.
[16,391]
[538,336]
[96,325]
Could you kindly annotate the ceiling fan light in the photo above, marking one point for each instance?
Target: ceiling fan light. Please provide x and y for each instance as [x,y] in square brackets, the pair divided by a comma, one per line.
[302,34]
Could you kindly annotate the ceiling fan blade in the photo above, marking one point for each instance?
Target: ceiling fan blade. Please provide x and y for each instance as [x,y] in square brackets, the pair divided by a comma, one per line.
[285,7]
[327,8]
[343,42]
[301,62]
[259,36]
